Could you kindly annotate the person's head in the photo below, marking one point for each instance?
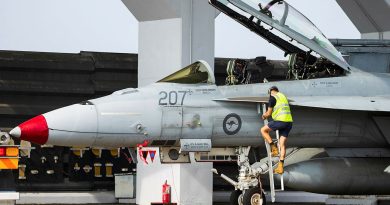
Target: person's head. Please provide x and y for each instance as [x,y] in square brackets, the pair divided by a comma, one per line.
[273,89]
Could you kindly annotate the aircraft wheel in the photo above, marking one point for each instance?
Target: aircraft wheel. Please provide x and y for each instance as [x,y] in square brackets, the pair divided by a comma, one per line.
[236,197]
[254,196]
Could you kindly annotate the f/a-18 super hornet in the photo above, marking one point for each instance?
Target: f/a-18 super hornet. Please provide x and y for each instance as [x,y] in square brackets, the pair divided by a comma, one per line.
[338,109]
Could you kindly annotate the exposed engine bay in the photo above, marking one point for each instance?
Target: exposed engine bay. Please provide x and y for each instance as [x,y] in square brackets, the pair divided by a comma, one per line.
[304,66]
[300,66]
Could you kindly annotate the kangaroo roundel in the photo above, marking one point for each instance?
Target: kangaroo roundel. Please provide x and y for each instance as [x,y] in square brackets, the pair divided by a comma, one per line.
[232,124]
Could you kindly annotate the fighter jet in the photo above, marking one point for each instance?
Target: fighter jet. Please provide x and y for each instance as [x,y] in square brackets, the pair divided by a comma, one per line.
[336,107]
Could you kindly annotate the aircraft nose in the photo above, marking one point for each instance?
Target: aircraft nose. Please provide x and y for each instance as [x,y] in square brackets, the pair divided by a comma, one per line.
[34,130]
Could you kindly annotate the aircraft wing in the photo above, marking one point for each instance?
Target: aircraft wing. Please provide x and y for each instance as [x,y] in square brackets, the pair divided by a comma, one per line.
[358,103]
[387,169]
[244,99]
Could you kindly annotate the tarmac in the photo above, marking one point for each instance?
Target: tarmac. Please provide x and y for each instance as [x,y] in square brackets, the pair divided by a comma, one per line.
[219,197]
[108,197]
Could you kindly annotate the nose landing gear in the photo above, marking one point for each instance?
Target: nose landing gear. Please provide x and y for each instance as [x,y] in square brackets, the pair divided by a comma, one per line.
[248,188]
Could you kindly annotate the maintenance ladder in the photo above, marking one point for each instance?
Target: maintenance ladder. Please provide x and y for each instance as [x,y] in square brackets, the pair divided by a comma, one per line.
[271,167]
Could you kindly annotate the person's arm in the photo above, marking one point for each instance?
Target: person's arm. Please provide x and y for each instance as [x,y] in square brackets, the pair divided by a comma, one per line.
[271,105]
[268,113]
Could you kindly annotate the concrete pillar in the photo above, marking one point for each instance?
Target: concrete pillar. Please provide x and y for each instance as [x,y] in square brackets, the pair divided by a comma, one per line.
[172,34]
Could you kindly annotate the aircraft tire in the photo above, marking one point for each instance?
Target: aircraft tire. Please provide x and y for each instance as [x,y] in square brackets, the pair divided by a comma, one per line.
[236,197]
[254,196]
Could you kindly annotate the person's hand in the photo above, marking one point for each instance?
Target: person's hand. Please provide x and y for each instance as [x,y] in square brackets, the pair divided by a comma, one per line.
[264,117]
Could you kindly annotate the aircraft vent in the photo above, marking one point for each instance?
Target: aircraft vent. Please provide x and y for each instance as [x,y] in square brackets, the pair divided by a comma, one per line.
[163,142]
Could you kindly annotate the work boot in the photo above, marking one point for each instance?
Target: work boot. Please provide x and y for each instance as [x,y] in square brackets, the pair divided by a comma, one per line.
[274,150]
[279,169]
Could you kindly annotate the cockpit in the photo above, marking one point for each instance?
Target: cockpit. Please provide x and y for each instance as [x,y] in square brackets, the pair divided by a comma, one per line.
[196,73]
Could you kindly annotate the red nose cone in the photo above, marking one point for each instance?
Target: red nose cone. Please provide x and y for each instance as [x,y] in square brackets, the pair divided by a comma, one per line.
[34,130]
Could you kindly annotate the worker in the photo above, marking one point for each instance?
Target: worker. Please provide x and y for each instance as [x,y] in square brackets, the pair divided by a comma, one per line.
[279,109]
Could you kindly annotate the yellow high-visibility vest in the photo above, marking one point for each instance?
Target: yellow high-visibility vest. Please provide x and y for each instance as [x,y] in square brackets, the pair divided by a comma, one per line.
[281,111]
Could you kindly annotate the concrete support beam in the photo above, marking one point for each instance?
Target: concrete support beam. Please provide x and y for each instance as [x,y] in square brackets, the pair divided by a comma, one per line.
[191,183]
[376,35]
[172,34]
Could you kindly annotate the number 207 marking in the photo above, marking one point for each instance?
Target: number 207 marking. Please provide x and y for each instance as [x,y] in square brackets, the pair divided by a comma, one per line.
[172,98]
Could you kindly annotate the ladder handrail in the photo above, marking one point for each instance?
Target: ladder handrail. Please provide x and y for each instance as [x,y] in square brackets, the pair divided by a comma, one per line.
[281,177]
[270,169]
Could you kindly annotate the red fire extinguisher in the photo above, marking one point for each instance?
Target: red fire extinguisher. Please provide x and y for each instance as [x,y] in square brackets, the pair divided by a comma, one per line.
[166,193]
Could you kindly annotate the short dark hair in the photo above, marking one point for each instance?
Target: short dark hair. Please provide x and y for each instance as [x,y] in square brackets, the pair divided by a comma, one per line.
[273,88]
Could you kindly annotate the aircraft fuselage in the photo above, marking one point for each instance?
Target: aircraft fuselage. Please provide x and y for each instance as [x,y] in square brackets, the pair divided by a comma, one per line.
[166,112]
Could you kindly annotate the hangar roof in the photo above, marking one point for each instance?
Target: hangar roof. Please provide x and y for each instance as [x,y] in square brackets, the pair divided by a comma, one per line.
[368,16]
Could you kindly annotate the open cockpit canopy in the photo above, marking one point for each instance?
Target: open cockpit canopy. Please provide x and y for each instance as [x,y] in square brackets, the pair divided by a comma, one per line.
[196,73]
[281,18]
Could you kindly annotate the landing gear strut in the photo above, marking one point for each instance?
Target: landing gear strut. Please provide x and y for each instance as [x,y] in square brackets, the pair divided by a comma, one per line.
[248,188]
